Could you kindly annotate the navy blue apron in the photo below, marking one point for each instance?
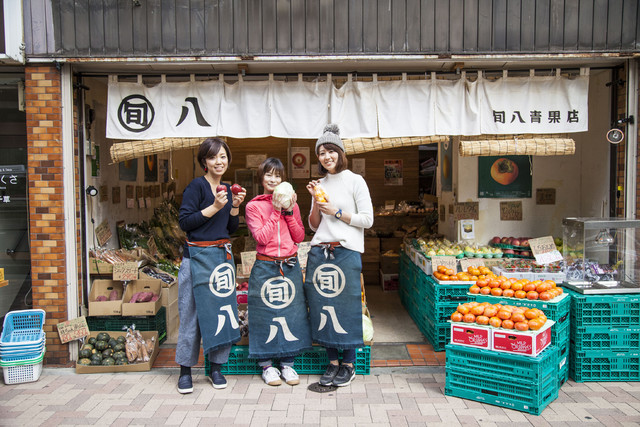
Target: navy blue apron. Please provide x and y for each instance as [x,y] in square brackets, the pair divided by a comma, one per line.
[278,317]
[332,287]
[214,290]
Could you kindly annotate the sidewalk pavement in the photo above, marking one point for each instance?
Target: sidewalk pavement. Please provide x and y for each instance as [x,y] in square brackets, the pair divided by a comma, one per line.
[411,396]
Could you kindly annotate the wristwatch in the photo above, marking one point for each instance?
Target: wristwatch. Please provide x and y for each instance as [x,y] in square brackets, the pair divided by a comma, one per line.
[287,213]
[338,214]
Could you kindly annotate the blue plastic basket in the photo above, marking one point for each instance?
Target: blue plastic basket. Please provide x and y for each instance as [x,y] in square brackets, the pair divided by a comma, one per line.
[23,327]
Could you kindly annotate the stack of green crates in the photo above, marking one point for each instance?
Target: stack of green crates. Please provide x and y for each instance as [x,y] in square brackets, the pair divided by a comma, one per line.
[313,361]
[157,322]
[559,311]
[605,337]
[511,381]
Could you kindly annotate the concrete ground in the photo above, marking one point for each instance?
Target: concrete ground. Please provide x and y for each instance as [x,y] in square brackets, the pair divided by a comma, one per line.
[388,397]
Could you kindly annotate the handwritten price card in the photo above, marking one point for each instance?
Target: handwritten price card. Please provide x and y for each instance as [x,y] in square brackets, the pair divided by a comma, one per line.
[248,259]
[448,261]
[544,250]
[73,329]
[511,211]
[303,252]
[465,210]
[465,263]
[125,271]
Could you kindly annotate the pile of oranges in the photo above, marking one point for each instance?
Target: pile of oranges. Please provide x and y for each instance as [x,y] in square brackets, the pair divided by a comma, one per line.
[516,288]
[471,275]
[498,315]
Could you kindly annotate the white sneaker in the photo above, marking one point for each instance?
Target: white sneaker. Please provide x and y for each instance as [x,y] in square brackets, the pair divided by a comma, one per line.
[289,375]
[271,376]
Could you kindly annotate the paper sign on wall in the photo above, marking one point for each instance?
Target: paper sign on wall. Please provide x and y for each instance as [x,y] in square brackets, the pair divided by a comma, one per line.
[125,271]
[544,250]
[466,210]
[73,329]
[511,211]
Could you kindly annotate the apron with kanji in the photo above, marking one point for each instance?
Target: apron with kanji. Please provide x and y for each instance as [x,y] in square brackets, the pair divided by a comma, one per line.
[278,317]
[332,287]
[214,291]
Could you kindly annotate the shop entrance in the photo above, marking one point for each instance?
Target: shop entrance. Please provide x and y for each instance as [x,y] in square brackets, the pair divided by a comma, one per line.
[15,258]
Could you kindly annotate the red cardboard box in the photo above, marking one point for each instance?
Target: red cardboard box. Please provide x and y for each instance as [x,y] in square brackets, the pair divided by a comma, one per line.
[471,335]
[528,343]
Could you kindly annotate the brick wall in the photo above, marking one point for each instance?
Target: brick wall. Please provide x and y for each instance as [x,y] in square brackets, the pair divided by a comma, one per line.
[46,197]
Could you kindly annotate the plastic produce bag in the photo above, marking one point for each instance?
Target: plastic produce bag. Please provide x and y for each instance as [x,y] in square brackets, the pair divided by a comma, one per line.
[367,328]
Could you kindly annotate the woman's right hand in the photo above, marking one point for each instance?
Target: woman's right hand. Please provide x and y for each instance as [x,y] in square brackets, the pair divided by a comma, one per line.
[311,187]
[222,197]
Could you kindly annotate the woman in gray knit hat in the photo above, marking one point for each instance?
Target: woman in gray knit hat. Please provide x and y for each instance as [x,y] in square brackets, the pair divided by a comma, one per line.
[340,211]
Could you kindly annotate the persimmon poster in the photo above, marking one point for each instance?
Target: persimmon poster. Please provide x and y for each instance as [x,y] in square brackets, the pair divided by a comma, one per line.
[504,177]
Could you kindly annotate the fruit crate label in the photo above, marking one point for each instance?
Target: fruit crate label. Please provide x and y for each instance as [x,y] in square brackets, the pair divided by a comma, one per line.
[544,250]
[73,329]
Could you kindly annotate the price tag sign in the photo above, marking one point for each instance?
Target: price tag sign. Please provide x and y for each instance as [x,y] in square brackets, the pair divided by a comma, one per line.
[544,250]
[248,259]
[303,252]
[465,263]
[125,271]
[73,329]
[448,261]
[466,210]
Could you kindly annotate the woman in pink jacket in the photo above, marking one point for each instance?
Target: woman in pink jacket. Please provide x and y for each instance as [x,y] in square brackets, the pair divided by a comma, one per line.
[279,323]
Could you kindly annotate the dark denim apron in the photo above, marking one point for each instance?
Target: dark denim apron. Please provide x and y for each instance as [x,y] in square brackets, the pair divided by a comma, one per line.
[332,287]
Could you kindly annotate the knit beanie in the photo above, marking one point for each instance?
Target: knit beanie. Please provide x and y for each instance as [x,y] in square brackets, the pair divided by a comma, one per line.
[330,135]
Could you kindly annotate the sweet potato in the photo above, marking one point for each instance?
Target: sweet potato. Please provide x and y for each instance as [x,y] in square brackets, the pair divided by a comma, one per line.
[145,297]
[101,298]
[134,298]
[113,295]
[155,298]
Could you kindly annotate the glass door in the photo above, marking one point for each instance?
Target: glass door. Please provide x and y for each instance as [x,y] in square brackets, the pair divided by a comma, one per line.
[15,258]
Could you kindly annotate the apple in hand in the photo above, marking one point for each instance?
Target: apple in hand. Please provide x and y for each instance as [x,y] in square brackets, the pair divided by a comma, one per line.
[236,188]
[220,188]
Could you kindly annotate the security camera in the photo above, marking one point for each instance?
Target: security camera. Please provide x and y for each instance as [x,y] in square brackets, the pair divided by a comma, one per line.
[615,136]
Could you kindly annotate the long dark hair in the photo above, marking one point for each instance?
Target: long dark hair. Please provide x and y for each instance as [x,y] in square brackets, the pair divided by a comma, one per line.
[209,148]
[272,163]
[341,164]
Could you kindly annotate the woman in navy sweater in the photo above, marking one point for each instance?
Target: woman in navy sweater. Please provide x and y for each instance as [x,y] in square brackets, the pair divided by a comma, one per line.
[206,295]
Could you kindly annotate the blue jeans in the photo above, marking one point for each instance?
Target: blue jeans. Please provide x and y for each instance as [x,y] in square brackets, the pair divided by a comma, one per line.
[348,355]
[284,361]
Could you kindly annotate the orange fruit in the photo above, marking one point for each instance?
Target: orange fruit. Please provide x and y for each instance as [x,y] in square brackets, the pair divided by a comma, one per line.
[463,309]
[507,324]
[473,271]
[456,316]
[495,322]
[535,324]
[475,289]
[518,317]
[449,272]
[532,295]
[496,292]
[493,283]
[485,290]
[482,282]
[545,296]
[477,310]
[442,269]
[469,318]
[521,326]
[508,293]
[505,285]
[531,313]
[482,320]
[520,294]
[490,311]
[529,287]
[517,286]
[504,314]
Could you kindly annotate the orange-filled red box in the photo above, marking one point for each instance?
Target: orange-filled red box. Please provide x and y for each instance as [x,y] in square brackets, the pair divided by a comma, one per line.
[471,335]
[527,343]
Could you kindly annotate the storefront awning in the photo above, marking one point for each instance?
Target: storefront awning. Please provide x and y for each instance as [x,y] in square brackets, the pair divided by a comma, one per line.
[517,145]
[128,150]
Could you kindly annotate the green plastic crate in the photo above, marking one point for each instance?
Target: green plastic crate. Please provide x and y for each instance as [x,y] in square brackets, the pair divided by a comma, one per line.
[604,366]
[312,362]
[517,367]
[445,293]
[530,397]
[158,322]
[615,311]
[598,338]
[438,334]
[560,332]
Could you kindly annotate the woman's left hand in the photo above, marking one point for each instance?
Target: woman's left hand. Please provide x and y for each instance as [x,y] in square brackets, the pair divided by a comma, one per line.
[239,198]
[326,208]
